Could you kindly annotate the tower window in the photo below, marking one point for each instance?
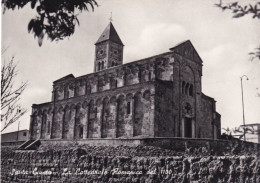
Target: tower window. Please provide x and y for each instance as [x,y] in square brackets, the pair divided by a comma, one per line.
[99,65]
[128,107]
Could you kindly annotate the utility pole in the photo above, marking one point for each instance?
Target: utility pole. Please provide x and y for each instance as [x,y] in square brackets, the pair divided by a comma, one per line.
[241,79]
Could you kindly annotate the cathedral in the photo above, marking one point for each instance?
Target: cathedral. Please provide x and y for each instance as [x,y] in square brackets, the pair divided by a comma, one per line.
[159,96]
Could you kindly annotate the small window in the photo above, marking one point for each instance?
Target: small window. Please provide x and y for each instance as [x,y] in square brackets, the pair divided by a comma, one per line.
[99,66]
[191,90]
[187,88]
[81,132]
[24,133]
[183,86]
[128,107]
[150,76]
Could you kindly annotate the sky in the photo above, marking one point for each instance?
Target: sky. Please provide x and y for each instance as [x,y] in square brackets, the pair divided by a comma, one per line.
[147,28]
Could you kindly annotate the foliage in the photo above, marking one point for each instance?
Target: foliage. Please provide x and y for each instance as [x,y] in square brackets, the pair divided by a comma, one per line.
[11,111]
[225,136]
[55,18]
[240,11]
[256,54]
[239,132]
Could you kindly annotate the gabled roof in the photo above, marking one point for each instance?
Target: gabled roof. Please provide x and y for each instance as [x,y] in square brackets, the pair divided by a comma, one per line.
[70,76]
[109,34]
[187,50]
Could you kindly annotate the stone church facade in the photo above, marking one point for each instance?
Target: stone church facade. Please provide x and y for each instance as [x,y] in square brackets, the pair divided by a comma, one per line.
[159,96]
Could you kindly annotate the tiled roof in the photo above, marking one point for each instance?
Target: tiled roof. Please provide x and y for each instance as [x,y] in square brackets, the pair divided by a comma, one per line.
[110,34]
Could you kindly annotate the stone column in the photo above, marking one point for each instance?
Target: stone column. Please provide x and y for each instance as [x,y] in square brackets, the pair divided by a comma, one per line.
[71,90]
[106,85]
[43,126]
[57,123]
[31,126]
[120,78]
[151,70]
[39,125]
[82,87]
[61,121]
[151,115]
[182,127]
[115,121]
[133,114]
[85,121]
[99,119]
[72,122]
[193,128]
[93,83]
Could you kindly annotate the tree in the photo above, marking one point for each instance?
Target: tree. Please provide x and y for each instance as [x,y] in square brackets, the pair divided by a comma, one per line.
[11,111]
[55,18]
[240,11]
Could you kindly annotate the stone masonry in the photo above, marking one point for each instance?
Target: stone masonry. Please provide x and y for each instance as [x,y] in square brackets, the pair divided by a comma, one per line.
[159,96]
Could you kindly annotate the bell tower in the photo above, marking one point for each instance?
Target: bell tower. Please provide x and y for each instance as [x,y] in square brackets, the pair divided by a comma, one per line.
[109,49]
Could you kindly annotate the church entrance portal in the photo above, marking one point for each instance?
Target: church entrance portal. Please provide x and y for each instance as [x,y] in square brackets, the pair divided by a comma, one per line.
[187,127]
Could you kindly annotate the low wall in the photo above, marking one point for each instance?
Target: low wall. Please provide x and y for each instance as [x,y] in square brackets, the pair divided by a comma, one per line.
[213,147]
[12,143]
[124,164]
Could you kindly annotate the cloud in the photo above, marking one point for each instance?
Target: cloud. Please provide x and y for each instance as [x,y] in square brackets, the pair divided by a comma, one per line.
[155,39]
[223,66]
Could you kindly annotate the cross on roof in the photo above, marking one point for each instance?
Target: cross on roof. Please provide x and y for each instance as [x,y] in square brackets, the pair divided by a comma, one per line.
[110,19]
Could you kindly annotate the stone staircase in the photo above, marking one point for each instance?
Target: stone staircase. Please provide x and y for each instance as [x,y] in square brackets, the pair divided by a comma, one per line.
[30,145]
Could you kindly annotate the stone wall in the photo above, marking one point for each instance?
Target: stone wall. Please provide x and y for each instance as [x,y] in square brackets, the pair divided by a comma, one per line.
[128,74]
[124,112]
[164,121]
[123,164]
[122,102]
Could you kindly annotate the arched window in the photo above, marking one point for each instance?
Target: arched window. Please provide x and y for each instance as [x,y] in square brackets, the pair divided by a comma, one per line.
[183,87]
[113,64]
[187,88]
[128,107]
[99,66]
[81,132]
[191,90]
